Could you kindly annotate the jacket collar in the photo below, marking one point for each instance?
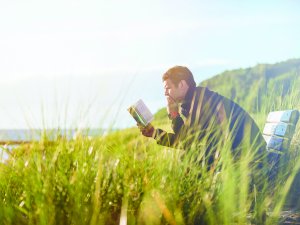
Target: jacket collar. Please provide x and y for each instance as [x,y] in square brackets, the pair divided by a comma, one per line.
[186,105]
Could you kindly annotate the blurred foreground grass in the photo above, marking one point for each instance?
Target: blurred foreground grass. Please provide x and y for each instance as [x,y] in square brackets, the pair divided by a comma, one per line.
[123,177]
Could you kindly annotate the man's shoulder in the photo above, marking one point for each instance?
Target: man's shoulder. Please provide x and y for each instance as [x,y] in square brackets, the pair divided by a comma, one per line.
[213,96]
[201,88]
[207,93]
[207,90]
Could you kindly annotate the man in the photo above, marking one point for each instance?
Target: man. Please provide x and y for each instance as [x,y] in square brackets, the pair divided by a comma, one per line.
[207,123]
[200,116]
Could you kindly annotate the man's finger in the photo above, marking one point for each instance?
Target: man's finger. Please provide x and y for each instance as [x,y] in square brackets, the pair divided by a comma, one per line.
[170,100]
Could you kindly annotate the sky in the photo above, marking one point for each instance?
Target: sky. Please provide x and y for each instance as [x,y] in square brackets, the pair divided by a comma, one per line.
[75,63]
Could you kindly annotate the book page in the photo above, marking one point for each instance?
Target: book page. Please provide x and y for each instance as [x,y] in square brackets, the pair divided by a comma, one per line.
[144,111]
[141,113]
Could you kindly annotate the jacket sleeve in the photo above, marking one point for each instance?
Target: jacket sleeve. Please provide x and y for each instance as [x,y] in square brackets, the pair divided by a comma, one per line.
[169,139]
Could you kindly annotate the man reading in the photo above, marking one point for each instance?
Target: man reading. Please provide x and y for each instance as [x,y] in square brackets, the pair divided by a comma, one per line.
[199,114]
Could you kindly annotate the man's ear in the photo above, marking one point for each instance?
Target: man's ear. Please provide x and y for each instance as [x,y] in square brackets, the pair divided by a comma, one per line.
[183,84]
[180,84]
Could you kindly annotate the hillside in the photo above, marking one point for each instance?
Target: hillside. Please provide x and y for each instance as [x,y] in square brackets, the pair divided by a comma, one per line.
[251,87]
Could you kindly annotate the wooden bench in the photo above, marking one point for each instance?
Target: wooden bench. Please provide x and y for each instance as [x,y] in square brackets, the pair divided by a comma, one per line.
[279,130]
[278,133]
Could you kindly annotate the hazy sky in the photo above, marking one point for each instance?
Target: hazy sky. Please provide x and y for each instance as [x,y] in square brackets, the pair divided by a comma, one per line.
[77,63]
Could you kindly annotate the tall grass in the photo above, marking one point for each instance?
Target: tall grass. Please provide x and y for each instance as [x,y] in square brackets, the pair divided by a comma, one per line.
[124,178]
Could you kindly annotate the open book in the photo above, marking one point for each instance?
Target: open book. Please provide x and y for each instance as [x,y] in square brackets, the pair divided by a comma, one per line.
[141,113]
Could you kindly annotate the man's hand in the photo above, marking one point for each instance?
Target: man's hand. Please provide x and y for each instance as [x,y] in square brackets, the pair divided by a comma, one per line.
[172,107]
[147,131]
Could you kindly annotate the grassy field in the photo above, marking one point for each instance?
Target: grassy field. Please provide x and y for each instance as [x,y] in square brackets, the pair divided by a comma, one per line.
[125,178]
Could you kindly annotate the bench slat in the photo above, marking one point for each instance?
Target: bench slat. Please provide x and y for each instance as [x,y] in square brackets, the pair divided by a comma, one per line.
[287,116]
[279,129]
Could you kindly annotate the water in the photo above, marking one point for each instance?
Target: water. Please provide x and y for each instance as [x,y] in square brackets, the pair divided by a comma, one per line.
[16,135]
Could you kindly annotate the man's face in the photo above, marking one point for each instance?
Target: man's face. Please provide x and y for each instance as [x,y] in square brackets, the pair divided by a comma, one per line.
[175,93]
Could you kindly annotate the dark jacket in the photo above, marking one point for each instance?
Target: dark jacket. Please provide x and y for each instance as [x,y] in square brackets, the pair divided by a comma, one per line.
[206,115]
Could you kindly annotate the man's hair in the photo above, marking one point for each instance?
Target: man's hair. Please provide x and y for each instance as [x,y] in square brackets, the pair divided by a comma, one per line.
[178,73]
